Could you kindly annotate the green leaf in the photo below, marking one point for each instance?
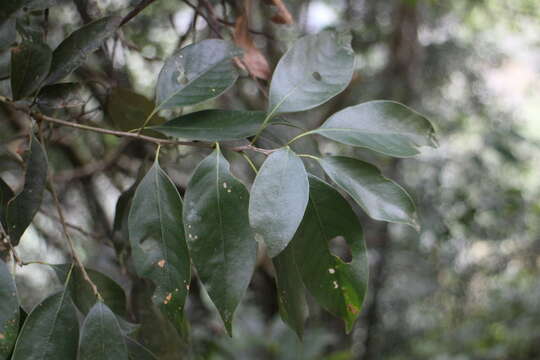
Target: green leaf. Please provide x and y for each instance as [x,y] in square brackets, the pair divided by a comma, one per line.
[381,198]
[157,238]
[73,51]
[314,70]
[6,194]
[384,126]
[9,7]
[82,294]
[214,125]
[9,311]
[338,286]
[196,73]
[22,208]
[221,241]
[278,199]
[101,336]
[8,35]
[59,96]
[128,110]
[137,351]
[290,291]
[50,332]
[30,63]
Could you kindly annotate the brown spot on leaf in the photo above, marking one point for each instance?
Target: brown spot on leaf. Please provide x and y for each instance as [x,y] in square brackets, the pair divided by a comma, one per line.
[161,263]
[352,309]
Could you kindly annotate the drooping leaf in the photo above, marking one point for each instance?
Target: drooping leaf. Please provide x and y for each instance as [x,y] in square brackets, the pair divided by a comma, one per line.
[157,238]
[221,241]
[384,126]
[50,332]
[22,208]
[8,35]
[196,73]
[253,59]
[9,311]
[30,63]
[63,95]
[278,199]
[73,51]
[6,194]
[381,198]
[82,294]
[137,351]
[128,110]
[338,286]
[314,70]
[214,125]
[290,291]
[101,336]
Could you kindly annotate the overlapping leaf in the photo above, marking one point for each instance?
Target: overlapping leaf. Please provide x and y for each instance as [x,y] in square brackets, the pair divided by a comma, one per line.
[8,34]
[279,197]
[128,110]
[159,249]
[60,96]
[30,63]
[22,208]
[196,73]
[73,51]
[314,70]
[381,198]
[9,311]
[338,286]
[101,336]
[384,126]
[214,125]
[6,194]
[221,241]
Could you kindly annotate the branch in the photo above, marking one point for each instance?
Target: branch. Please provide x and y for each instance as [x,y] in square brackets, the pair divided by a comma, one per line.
[140,7]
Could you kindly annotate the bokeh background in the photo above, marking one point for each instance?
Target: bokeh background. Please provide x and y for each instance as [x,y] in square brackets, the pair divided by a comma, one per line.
[467,286]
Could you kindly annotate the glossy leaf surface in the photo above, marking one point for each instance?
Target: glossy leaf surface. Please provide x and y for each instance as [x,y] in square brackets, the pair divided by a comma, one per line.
[381,198]
[214,125]
[159,249]
[384,126]
[101,336]
[73,51]
[30,63]
[50,332]
[196,73]
[338,286]
[221,241]
[23,207]
[314,70]
[278,199]
[9,311]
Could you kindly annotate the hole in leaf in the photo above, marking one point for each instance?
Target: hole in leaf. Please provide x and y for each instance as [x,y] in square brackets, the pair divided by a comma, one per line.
[317,76]
[339,247]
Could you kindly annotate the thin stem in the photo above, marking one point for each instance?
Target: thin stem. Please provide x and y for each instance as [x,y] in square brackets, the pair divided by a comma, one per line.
[299,136]
[140,7]
[147,120]
[309,156]
[251,164]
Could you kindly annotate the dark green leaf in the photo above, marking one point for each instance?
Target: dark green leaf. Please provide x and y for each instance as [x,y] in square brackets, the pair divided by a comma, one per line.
[338,286]
[74,50]
[50,332]
[30,63]
[128,110]
[290,291]
[314,70]
[8,34]
[6,194]
[157,238]
[381,198]
[9,311]
[384,126]
[23,207]
[279,197]
[214,125]
[137,351]
[101,336]
[60,96]
[196,73]
[221,241]
[11,6]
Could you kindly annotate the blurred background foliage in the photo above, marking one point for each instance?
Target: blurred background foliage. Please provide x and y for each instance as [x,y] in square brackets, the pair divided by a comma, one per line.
[465,287]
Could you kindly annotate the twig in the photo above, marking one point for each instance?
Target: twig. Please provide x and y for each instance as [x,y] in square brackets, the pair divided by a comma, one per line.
[140,7]
[70,225]
[210,21]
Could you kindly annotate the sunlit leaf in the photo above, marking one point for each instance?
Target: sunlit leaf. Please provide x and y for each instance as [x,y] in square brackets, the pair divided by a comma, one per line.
[30,63]
[314,70]
[159,249]
[196,73]
[338,286]
[73,51]
[381,198]
[221,241]
[278,199]
[9,311]
[384,126]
